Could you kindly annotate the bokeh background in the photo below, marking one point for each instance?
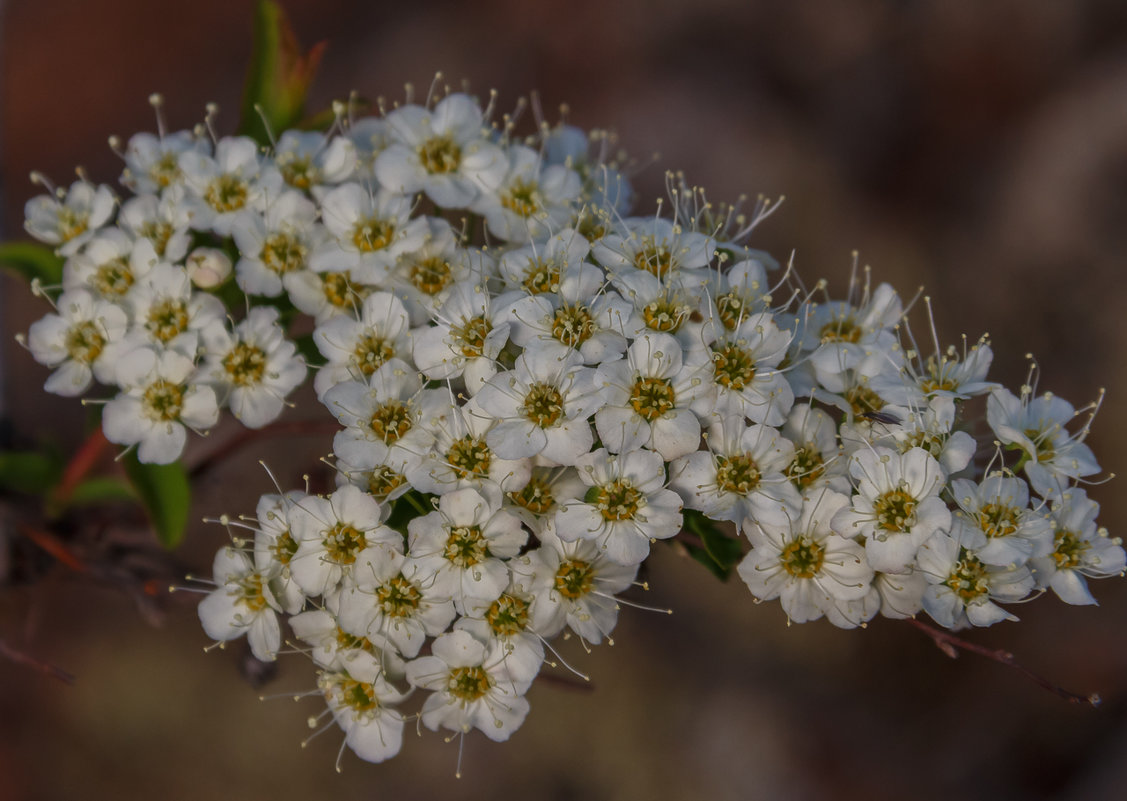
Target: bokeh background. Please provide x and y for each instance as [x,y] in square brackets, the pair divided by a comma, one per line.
[979,149]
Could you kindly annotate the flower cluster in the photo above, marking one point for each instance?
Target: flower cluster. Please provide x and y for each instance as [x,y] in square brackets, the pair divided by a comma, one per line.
[533,387]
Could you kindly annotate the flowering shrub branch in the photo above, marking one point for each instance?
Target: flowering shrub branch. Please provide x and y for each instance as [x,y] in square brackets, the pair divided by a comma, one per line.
[532,385]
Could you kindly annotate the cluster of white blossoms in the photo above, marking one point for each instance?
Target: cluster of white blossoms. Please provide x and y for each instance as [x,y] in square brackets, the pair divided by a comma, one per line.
[533,387]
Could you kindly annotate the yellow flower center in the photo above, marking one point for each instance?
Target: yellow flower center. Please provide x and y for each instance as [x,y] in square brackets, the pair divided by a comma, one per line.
[431,276]
[163,401]
[652,397]
[968,578]
[574,579]
[469,456]
[373,234]
[734,366]
[168,319]
[466,546]
[508,615]
[468,683]
[536,496]
[618,500]
[370,352]
[738,474]
[471,336]
[522,198]
[283,253]
[803,558]
[342,542]
[440,155]
[391,421]
[572,325]
[245,365]
[84,342]
[399,597]
[895,510]
[226,193]
[543,405]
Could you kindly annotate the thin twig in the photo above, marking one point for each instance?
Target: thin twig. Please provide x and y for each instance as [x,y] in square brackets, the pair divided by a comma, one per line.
[56,547]
[949,644]
[46,668]
[81,463]
[298,427]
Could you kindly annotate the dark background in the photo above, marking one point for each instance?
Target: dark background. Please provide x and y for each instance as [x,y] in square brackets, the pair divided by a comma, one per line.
[979,149]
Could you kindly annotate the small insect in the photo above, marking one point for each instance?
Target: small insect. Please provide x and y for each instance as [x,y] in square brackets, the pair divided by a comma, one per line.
[882,417]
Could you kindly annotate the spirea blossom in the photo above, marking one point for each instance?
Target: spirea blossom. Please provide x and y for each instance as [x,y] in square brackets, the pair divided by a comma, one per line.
[536,386]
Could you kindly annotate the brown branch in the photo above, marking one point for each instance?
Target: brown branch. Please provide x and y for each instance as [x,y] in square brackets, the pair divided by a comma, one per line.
[46,668]
[80,464]
[56,547]
[298,427]
[949,644]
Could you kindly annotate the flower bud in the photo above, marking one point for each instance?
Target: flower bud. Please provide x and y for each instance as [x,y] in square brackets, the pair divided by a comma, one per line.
[208,267]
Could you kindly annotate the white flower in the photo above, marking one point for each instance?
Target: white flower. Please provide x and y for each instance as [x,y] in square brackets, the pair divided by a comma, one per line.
[628,505]
[426,276]
[361,701]
[506,623]
[467,339]
[369,232]
[461,456]
[657,247]
[1002,529]
[943,375]
[842,335]
[331,535]
[817,459]
[255,368]
[443,152]
[472,687]
[334,648]
[543,265]
[161,221]
[157,404]
[531,201]
[167,313]
[276,244]
[740,476]
[355,349]
[961,588]
[806,565]
[541,405]
[152,162]
[744,366]
[234,181]
[463,543]
[382,412]
[390,596]
[896,506]
[1036,426]
[573,584]
[244,603]
[1080,548]
[70,219]
[648,395]
[78,342]
[109,264]
[308,159]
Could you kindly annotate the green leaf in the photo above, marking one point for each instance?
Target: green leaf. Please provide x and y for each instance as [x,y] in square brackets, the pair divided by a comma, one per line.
[719,552]
[166,495]
[32,261]
[103,489]
[278,76]
[308,349]
[30,472]
[406,508]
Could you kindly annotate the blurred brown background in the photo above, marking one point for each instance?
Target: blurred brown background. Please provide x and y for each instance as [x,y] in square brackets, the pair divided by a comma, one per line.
[979,149]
